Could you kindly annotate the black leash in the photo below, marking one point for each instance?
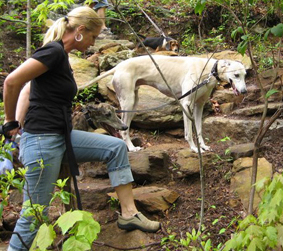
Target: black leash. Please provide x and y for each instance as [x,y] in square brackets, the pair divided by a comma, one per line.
[214,73]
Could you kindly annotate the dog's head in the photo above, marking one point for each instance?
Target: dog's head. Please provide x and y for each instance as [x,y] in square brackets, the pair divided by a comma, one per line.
[104,116]
[233,72]
[172,45]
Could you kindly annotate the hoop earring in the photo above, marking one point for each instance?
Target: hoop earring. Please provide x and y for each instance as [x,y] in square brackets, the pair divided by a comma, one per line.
[79,37]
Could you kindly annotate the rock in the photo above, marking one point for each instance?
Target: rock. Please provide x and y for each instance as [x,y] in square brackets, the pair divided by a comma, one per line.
[189,162]
[100,43]
[93,193]
[109,61]
[114,237]
[242,150]
[258,110]
[226,108]
[84,70]
[149,166]
[241,181]
[238,130]
[152,199]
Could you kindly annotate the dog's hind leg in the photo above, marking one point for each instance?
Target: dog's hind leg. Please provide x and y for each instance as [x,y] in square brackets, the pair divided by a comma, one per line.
[128,104]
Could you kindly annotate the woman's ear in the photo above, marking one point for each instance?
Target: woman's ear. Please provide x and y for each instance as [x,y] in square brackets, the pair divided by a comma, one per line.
[81,28]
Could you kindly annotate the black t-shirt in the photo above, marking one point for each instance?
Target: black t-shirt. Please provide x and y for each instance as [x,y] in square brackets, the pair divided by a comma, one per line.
[51,91]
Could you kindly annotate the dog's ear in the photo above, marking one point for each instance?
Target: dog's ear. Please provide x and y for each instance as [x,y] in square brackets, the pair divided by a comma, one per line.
[168,46]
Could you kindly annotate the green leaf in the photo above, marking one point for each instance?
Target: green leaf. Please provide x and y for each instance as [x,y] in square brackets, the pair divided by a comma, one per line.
[277,198]
[44,237]
[260,185]
[199,7]
[68,219]
[271,92]
[254,230]
[242,47]
[256,244]
[75,244]
[89,230]
[277,30]
[280,234]
[247,221]
[222,231]
[230,245]
[271,233]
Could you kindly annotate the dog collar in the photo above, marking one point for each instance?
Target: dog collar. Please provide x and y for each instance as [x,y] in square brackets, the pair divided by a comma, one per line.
[88,118]
[214,71]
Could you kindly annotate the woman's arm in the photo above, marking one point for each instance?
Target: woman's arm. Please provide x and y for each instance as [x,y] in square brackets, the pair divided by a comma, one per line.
[23,104]
[27,71]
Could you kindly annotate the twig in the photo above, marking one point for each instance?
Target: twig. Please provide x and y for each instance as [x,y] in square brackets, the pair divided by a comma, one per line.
[98,243]
[19,236]
[13,20]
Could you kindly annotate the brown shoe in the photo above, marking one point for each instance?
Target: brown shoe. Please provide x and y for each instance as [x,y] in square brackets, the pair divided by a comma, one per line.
[138,221]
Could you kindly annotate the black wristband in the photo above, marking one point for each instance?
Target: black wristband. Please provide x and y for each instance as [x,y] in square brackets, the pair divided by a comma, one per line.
[4,129]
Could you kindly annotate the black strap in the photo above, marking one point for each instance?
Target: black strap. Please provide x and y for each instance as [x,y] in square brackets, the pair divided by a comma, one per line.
[88,118]
[8,127]
[214,71]
[73,165]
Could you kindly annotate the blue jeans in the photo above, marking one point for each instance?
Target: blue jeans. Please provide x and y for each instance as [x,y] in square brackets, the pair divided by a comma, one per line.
[100,4]
[51,149]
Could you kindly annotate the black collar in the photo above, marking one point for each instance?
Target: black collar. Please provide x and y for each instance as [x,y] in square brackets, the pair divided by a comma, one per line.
[88,118]
[214,71]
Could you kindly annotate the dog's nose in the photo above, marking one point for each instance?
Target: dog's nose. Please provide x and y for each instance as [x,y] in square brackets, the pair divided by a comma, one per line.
[124,128]
[244,91]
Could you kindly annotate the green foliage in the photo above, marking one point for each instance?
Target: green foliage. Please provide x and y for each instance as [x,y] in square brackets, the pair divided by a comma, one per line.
[265,231]
[79,226]
[42,10]
[9,180]
[114,203]
[86,95]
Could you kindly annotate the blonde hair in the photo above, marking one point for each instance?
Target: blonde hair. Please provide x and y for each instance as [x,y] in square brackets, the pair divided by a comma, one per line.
[83,15]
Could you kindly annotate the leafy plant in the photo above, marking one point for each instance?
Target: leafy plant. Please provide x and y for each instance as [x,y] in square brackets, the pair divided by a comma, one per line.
[265,231]
[114,203]
[86,95]
[78,227]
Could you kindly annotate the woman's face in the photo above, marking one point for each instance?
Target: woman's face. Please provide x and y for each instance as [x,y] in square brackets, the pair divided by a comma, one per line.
[88,39]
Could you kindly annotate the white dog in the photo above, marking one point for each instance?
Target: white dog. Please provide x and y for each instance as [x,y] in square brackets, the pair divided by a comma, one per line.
[182,74]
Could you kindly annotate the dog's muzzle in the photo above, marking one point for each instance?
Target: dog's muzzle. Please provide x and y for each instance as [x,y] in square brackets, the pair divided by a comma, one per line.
[235,90]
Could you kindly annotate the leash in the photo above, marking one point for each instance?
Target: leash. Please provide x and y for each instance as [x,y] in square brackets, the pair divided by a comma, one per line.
[213,73]
[155,26]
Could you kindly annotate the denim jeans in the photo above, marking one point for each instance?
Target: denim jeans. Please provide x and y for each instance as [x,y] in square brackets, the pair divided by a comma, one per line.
[51,149]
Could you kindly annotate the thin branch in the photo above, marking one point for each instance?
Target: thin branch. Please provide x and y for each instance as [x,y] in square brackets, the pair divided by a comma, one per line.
[13,20]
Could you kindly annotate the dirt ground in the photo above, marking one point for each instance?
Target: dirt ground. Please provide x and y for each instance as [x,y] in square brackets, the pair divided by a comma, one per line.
[221,207]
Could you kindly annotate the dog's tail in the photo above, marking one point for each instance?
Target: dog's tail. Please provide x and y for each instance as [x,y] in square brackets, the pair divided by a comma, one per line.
[95,80]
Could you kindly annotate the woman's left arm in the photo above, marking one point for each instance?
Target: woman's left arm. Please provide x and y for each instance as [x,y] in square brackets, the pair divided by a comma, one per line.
[27,71]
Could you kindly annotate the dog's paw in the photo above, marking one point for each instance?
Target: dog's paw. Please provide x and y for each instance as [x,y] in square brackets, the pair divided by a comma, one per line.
[195,149]
[205,148]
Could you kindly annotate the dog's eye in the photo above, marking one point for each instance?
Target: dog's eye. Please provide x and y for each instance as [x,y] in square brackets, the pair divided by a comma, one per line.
[108,114]
[237,75]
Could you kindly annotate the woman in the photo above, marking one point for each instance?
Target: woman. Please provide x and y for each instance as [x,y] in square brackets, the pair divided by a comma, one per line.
[47,129]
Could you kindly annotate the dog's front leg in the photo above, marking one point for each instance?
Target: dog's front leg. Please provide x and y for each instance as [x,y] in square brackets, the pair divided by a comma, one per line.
[198,111]
[188,127]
